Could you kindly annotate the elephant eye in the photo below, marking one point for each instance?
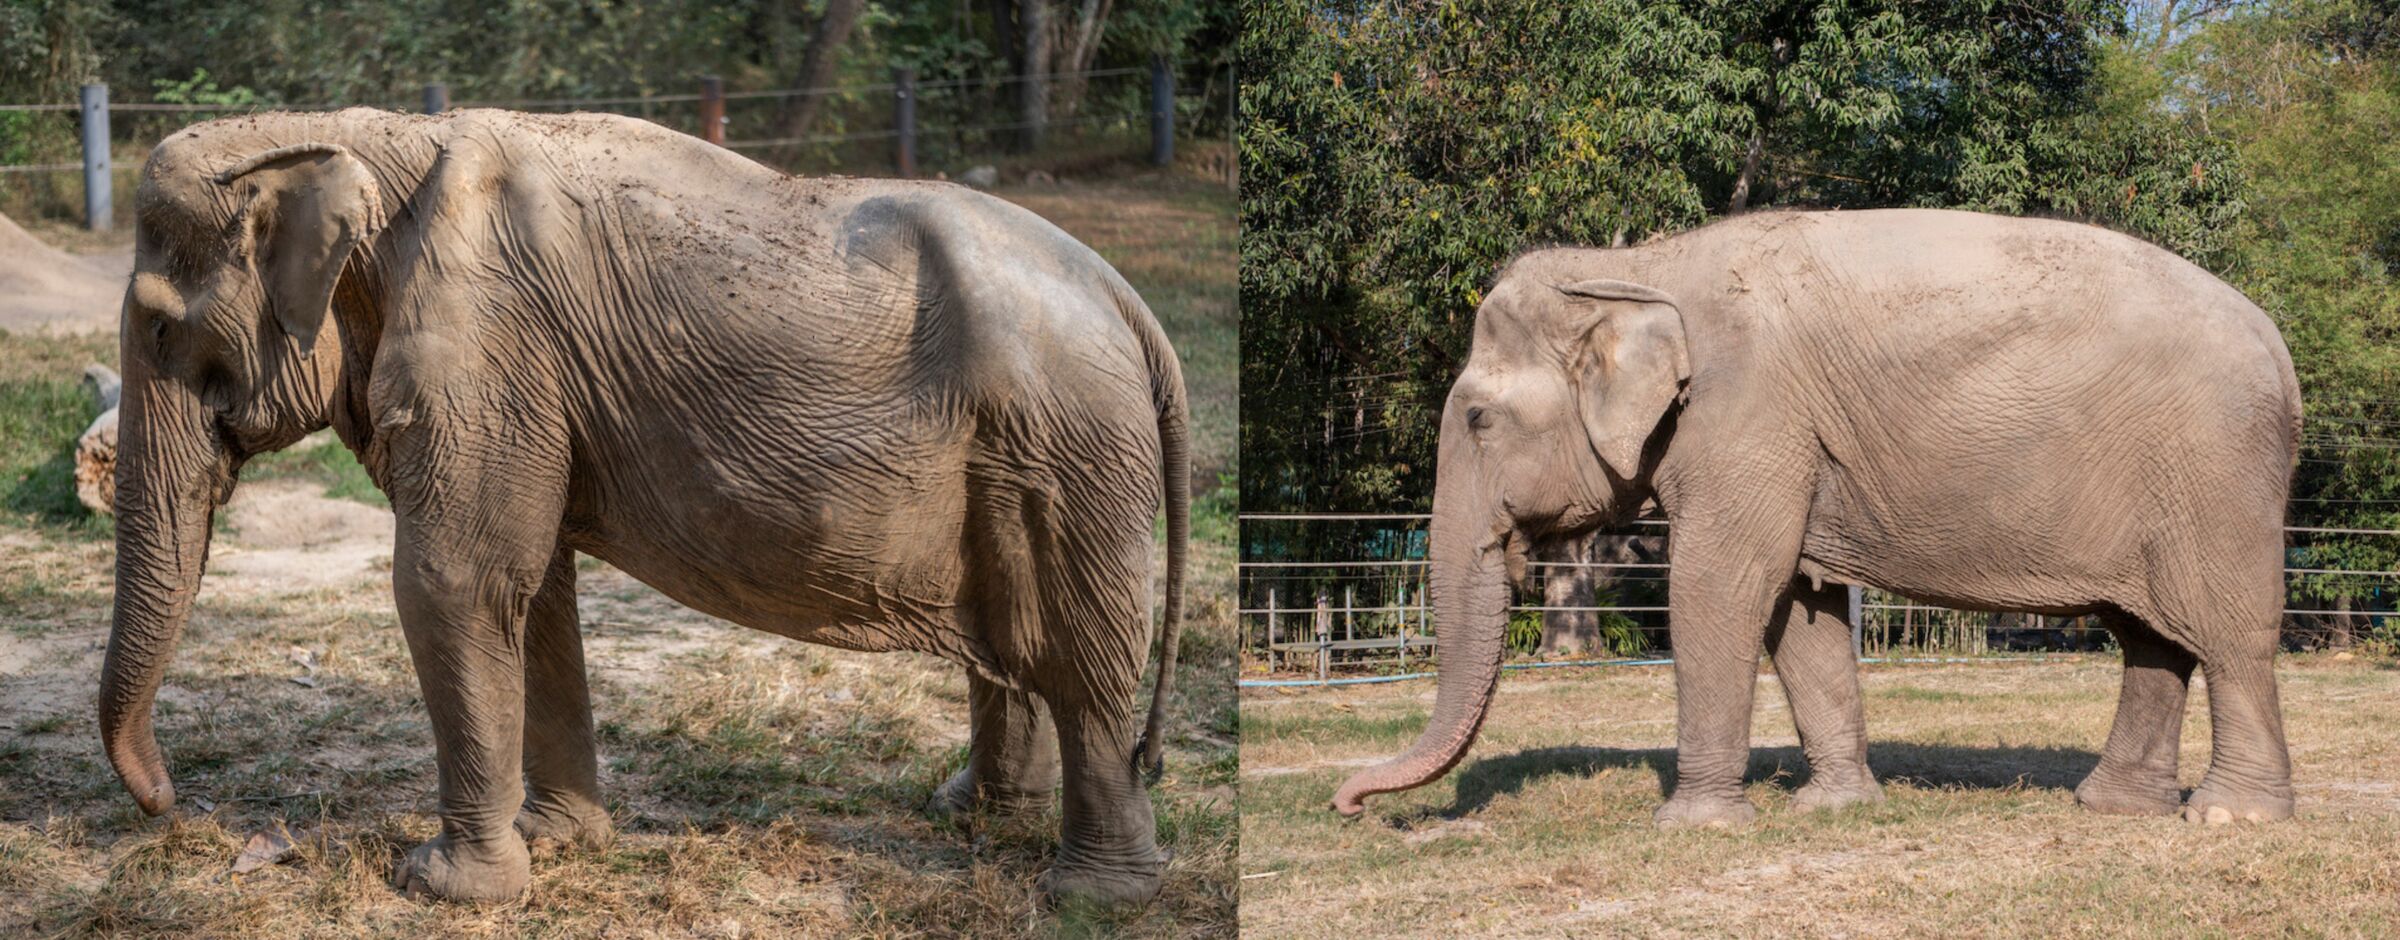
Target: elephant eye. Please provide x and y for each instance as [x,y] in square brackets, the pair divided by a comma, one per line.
[1478,419]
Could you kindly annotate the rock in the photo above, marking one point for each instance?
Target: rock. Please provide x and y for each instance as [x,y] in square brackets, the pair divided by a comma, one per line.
[1040,178]
[96,450]
[981,177]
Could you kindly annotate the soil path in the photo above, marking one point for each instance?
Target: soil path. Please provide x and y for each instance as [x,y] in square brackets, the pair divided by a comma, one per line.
[43,289]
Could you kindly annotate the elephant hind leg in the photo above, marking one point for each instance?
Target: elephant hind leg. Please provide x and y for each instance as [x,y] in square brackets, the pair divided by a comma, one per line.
[2249,765]
[562,807]
[1818,669]
[1012,756]
[2136,774]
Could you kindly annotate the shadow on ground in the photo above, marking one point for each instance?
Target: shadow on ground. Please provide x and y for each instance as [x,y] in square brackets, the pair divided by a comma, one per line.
[1930,766]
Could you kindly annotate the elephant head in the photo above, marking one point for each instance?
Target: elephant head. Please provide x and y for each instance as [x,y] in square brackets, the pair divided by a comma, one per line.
[236,262]
[1547,433]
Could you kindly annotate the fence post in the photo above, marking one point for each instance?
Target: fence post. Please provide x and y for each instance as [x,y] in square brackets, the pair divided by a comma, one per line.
[98,210]
[904,119]
[1324,634]
[1858,621]
[712,109]
[1162,112]
[1274,656]
[437,97]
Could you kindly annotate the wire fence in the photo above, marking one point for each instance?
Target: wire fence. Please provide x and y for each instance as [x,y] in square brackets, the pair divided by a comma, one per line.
[902,127]
[1304,616]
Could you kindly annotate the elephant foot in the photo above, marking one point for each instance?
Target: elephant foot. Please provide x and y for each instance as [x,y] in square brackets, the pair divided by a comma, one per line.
[2218,807]
[451,871]
[1693,812]
[959,796]
[1838,789]
[1078,886]
[548,830]
[2105,794]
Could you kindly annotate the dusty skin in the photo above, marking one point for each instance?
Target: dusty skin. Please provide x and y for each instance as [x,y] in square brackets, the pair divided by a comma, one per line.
[1982,412]
[874,415]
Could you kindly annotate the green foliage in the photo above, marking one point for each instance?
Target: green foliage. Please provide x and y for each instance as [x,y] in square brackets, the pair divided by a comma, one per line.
[200,89]
[43,410]
[328,462]
[1397,152]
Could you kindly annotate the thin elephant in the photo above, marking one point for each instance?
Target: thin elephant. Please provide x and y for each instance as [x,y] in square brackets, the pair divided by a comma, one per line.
[1983,412]
[877,415]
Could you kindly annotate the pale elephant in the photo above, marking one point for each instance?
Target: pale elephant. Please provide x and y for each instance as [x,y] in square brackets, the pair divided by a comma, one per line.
[877,415]
[1982,412]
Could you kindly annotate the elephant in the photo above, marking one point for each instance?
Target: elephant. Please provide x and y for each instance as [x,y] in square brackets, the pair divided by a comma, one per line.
[1979,411]
[871,414]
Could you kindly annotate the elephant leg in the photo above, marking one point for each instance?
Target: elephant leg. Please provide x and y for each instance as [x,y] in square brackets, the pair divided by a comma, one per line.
[1108,843]
[2136,774]
[2249,766]
[1818,669]
[1012,756]
[562,765]
[464,576]
[1730,575]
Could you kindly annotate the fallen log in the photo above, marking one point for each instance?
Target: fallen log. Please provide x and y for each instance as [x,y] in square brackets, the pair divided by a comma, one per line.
[96,451]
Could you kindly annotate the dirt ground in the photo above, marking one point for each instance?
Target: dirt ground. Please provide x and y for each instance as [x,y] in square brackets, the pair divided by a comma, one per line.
[1545,829]
[763,787]
[44,289]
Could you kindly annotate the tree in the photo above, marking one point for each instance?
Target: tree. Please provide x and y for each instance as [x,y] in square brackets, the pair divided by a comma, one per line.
[1397,152]
[817,62]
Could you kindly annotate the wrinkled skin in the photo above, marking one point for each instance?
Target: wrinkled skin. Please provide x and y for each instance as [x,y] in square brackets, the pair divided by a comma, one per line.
[1983,412]
[875,415]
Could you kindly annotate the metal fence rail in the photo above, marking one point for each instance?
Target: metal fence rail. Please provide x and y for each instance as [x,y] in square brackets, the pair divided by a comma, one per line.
[904,93]
[1317,616]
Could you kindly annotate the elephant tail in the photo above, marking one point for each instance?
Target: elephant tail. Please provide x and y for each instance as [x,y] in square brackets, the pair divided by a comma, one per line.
[1175,470]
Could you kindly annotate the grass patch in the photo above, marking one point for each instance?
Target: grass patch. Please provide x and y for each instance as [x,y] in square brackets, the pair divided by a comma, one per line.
[43,409]
[1545,828]
[320,459]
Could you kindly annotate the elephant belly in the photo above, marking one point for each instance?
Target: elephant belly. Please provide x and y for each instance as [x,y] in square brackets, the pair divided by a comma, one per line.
[1970,554]
[870,575]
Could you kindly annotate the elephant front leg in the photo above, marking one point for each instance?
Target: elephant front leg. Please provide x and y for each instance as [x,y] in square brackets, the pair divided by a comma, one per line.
[562,767]
[1818,669]
[1012,760]
[1730,574]
[464,618]
[2136,774]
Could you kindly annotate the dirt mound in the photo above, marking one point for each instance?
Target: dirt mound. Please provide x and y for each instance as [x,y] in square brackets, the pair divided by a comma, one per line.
[43,289]
[286,535]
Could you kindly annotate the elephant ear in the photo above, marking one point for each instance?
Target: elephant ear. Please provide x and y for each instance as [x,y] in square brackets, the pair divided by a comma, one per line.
[1629,368]
[307,207]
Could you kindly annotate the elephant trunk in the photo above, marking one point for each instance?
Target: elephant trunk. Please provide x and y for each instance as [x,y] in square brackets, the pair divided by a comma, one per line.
[171,473]
[1470,594]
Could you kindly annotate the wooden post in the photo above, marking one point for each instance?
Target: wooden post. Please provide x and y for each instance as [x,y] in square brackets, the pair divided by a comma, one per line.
[712,110]
[437,98]
[1404,631]
[98,209]
[1324,625]
[1273,655]
[1858,621]
[1162,112]
[904,119]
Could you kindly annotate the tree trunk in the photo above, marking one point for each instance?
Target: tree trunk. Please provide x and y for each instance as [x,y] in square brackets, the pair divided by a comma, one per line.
[1033,88]
[1571,632]
[1742,183]
[1090,20]
[816,64]
[2343,633]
